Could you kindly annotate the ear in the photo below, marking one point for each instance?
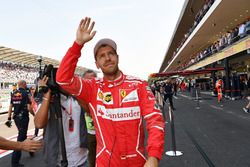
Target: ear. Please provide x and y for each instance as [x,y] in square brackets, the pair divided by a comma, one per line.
[98,67]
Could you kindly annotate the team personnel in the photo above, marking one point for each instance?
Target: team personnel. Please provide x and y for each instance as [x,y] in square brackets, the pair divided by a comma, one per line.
[219,86]
[118,104]
[90,74]
[168,93]
[26,145]
[20,101]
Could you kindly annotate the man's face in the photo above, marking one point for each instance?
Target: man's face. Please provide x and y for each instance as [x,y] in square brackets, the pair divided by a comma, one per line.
[89,75]
[107,60]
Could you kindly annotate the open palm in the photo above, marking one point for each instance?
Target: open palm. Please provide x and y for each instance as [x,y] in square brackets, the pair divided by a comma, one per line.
[85,31]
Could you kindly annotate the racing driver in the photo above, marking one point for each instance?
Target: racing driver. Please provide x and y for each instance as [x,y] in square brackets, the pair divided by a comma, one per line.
[118,105]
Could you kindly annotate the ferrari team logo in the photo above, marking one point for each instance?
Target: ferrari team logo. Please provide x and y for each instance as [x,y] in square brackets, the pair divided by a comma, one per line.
[123,93]
[100,95]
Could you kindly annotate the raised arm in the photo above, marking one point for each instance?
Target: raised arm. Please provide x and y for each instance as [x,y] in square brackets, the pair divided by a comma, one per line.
[41,117]
[65,73]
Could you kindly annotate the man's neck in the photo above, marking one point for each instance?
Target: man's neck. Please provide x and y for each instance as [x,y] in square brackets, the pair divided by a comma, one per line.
[113,76]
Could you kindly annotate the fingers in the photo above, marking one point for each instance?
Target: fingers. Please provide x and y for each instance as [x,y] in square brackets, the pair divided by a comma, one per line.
[85,24]
[81,23]
[43,81]
[32,146]
[93,34]
[46,79]
[91,26]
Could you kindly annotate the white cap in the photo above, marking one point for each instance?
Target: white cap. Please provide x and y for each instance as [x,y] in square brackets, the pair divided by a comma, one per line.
[105,41]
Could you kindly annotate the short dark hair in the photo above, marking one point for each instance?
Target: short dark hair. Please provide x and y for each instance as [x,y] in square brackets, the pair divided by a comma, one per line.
[89,71]
[104,45]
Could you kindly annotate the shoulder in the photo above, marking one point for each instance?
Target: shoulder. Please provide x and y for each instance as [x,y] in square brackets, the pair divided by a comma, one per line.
[133,79]
[97,80]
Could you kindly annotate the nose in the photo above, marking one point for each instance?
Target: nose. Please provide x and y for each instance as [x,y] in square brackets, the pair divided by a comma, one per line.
[107,57]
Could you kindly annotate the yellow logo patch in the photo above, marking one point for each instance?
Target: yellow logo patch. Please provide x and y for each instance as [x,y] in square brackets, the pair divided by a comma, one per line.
[108,98]
[123,93]
[100,95]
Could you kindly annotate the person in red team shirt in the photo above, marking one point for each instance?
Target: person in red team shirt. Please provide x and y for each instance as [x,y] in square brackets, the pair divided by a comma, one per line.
[219,86]
[118,105]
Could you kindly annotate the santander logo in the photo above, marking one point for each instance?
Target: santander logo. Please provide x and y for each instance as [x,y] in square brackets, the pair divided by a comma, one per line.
[119,114]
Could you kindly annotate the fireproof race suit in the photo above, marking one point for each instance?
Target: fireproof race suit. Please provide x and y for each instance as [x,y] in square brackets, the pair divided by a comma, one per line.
[118,109]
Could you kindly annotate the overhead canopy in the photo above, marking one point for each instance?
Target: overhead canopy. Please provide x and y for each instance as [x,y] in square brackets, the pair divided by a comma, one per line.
[20,57]
[186,72]
[223,16]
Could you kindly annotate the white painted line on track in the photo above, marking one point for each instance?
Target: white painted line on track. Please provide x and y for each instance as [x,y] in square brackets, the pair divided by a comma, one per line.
[230,112]
[175,97]
[215,107]
[6,153]
[185,96]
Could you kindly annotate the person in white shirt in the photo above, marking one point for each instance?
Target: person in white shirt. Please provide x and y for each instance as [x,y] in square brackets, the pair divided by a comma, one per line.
[76,148]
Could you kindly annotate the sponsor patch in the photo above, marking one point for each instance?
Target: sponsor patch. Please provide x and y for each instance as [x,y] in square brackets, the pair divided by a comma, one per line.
[100,95]
[119,114]
[123,93]
[128,95]
[107,98]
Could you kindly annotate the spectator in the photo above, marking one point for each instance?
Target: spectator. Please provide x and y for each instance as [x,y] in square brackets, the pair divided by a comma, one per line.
[242,30]
[10,72]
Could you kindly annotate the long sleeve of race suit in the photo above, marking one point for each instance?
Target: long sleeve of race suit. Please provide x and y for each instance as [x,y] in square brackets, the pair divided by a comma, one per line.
[154,122]
[65,75]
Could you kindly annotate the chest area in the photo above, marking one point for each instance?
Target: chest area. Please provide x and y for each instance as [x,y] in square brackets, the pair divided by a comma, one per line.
[125,95]
[118,104]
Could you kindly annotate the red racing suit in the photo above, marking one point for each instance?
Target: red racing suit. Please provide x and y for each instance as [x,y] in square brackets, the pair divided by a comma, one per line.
[118,109]
[219,86]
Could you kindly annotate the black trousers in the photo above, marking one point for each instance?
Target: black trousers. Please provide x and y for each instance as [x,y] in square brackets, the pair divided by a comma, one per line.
[92,149]
[170,98]
[22,126]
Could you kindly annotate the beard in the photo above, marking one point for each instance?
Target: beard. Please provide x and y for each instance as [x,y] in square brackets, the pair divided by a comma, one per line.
[111,72]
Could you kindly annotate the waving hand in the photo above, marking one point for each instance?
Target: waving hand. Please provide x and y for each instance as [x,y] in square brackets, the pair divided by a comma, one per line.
[85,31]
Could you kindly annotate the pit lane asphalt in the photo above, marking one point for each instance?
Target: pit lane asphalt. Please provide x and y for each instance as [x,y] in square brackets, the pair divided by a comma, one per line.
[209,136]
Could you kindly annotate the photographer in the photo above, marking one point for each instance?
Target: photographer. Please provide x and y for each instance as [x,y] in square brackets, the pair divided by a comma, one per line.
[21,103]
[74,130]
